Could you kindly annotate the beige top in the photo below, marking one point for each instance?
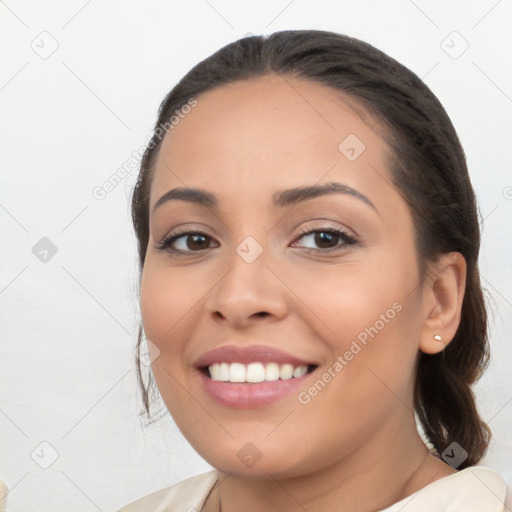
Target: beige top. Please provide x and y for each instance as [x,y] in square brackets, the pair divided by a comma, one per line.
[474,489]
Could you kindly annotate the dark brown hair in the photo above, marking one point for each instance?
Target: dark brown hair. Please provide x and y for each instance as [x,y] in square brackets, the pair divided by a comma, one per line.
[428,168]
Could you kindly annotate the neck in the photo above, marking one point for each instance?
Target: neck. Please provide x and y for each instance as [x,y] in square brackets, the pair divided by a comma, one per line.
[385,470]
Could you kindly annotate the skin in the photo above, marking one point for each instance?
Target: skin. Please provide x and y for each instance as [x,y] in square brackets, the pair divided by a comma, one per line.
[355,445]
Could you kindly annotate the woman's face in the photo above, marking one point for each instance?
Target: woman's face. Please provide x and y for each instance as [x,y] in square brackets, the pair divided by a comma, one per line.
[254,288]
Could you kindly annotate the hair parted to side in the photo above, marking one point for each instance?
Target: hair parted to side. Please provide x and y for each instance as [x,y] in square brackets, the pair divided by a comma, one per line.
[428,168]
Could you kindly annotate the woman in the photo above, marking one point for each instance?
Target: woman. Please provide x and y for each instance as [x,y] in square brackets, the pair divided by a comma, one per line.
[308,240]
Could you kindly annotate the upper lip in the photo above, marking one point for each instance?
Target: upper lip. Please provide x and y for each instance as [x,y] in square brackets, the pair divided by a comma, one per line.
[248,354]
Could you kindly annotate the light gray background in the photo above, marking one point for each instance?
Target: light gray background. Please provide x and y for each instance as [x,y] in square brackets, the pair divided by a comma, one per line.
[69,120]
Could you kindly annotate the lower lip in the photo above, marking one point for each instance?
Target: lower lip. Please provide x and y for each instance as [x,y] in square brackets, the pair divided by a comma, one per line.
[248,395]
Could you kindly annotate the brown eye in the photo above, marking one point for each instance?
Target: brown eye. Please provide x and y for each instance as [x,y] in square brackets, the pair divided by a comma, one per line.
[196,242]
[325,240]
[186,242]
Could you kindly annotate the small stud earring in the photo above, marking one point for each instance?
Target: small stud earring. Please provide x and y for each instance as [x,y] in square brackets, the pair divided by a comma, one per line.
[438,338]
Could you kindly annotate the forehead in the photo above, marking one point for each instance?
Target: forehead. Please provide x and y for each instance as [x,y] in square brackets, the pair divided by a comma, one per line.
[268,130]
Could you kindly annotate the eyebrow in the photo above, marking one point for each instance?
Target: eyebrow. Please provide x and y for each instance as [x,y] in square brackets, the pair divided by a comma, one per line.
[296,195]
[281,198]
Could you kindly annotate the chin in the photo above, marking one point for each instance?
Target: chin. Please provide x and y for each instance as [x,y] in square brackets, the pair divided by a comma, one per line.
[249,462]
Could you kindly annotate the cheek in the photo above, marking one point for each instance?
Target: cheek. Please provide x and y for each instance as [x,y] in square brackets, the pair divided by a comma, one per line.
[165,300]
[365,313]
[163,303]
[348,299]
[170,306]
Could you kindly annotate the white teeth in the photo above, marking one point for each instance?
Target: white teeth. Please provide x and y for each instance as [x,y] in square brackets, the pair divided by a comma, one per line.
[237,372]
[214,371]
[254,372]
[220,372]
[286,371]
[272,371]
[224,372]
[300,371]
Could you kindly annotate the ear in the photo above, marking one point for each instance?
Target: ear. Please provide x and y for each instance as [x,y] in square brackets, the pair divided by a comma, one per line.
[443,294]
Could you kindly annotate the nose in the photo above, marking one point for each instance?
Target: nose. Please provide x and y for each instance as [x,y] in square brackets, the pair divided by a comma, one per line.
[249,292]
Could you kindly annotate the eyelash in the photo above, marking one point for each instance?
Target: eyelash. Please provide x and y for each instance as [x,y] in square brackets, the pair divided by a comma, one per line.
[166,244]
[340,232]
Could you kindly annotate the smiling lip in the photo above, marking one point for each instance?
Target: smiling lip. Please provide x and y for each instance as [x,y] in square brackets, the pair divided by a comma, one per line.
[246,355]
[249,395]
